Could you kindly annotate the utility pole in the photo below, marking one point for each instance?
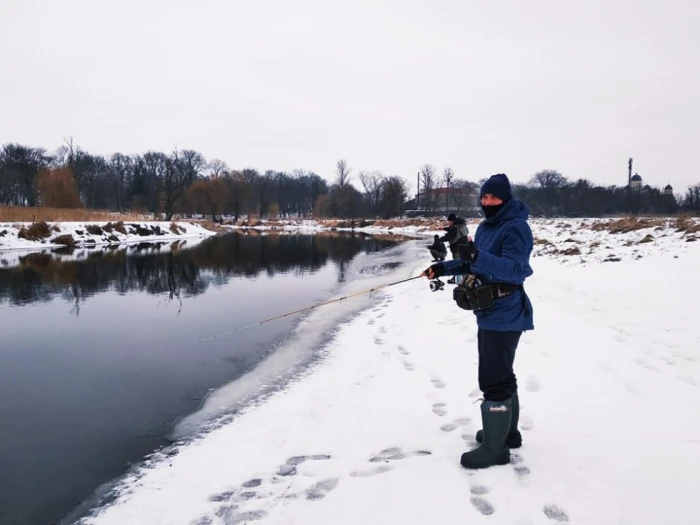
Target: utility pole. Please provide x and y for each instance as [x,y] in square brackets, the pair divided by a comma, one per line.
[418,191]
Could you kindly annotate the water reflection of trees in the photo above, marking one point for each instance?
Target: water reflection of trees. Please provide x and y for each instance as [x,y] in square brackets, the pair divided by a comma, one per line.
[178,271]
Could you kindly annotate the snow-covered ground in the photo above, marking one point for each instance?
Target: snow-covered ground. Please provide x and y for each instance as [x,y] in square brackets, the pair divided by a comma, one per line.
[10,258]
[610,396]
[96,233]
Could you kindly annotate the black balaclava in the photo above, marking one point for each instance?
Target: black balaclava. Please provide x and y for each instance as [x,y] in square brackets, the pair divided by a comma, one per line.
[499,186]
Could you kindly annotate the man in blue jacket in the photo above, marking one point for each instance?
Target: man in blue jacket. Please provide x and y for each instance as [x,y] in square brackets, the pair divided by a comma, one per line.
[499,257]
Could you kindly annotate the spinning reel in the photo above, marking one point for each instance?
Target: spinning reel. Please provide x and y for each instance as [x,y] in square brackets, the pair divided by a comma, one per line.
[436,285]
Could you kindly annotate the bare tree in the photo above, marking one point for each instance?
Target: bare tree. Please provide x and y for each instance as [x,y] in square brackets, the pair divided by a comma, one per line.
[21,165]
[217,168]
[394,192]
[427,178]
[372,182]
[342,172]
[343,189]
[550,183]
[548,179]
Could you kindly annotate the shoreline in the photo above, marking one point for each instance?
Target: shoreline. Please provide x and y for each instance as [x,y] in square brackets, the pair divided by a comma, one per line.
[382,421]
[40,236]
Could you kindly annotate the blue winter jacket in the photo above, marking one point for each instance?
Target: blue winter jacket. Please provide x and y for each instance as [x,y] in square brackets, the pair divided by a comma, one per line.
[504,242]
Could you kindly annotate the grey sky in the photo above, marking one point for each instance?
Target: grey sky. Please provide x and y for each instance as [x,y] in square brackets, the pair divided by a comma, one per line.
[512,86]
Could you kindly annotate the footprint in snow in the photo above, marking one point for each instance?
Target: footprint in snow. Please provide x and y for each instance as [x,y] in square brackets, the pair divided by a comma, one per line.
[479,490]
[526,422]
[481,505]
[222,496]
[516,460]
[645,364]
[379,316]
[366,473]
[290,466]
[232,516]
[403,350]
[371,321]
[439,409]
[297,460]
[668,360]
[470,439]
[382,329]
[408,366]
[449,427]
[632,388]
[378,340]
[395,454]
[556,513]
[252,483]
[532,385]
[437,383]
[321,489]
[687,378]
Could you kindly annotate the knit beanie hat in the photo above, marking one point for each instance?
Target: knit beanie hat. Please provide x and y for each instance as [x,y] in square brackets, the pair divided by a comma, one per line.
[497,185]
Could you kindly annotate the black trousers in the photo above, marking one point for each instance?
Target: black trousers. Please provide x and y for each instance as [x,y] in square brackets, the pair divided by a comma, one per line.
[497,380]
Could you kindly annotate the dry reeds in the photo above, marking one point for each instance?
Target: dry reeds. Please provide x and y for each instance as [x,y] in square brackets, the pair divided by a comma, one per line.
[627,224]
[35,232]
[39,214]
[686,224]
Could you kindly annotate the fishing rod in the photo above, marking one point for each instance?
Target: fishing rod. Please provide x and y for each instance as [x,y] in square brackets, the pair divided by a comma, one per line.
[339,299]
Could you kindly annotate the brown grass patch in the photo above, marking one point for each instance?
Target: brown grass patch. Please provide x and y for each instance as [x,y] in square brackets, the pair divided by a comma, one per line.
[627,224]
[542,242]
[686,224]
[115,226]
[35,232]
[176,228]
[65,240]
[595,244]
[93,229]
[574,250]
[214,226]
[648,238]
[27,214]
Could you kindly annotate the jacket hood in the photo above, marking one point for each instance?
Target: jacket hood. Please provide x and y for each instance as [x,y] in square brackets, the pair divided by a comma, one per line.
[513,209]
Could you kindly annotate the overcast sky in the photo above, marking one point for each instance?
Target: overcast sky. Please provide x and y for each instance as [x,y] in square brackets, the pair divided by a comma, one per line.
[512,86]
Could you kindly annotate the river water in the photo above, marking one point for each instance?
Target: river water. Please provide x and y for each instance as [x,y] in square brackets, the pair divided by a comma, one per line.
[100,355]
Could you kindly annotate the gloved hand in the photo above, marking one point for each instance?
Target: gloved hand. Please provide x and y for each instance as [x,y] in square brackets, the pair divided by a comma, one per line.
[434,271]
[468,252]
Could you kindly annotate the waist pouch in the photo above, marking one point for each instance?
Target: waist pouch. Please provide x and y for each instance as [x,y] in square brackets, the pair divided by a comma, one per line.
[472,294]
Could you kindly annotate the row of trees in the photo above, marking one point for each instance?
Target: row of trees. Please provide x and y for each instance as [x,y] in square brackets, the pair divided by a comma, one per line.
[184,182]
[548,193]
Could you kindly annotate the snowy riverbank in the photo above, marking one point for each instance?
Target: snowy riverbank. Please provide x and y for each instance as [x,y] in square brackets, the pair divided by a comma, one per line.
[609,384]
[42,235]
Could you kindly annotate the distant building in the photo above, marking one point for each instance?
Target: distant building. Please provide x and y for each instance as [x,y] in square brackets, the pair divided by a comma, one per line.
[668,190]
[636,182]
[455,198]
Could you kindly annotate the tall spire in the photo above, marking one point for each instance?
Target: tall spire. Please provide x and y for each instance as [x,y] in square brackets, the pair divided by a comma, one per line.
[629,172]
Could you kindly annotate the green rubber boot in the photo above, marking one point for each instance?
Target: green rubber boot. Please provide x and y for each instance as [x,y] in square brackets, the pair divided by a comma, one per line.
[495,416]
[514,439]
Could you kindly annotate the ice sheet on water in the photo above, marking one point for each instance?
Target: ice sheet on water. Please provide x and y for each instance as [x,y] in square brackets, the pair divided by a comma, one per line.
[301,347]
